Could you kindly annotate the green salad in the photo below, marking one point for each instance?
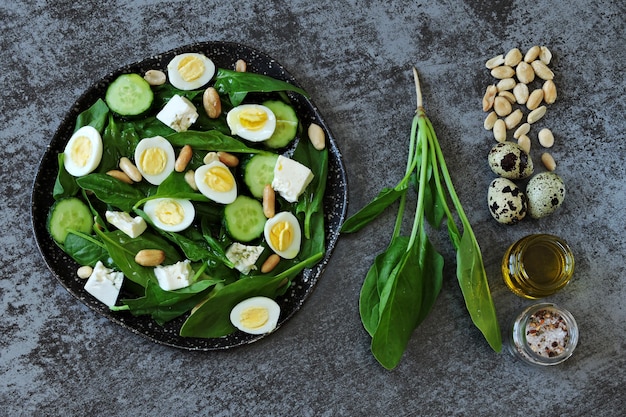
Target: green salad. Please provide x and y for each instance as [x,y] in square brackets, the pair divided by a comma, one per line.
[192,191]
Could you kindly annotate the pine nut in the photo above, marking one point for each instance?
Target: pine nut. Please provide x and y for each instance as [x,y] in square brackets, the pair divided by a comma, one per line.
[546,138]
[269,201]
[183,158]
[536,114]
[210,157]
[506,84]
[549,92]
[532,54]
[490,120]
[548,161]
[84,271]
[317,136]
[502,106]
[503,71]
[496,61]
[150,257]
[155,77]
[228,159]
[190,178]
[513,57]
[513,119]
[270,263]
[499,130]
[120,175]
[212,103]
[522,130]
[130,169]
[545,55]
[241,66]
[525,73]
[534,99]
[507,95]
[542,70]
[488,98]
[520,91]
[524,142]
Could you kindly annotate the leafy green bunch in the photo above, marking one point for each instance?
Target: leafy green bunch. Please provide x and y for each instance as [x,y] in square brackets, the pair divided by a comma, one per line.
[404,281]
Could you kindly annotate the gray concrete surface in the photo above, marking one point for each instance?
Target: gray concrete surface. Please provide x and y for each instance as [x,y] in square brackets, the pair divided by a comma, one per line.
[57,357]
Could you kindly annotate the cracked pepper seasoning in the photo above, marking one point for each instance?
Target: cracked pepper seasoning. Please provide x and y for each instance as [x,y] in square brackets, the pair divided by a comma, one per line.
[544,334]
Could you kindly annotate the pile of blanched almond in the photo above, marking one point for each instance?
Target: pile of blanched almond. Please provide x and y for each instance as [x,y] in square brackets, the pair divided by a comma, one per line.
[520,97]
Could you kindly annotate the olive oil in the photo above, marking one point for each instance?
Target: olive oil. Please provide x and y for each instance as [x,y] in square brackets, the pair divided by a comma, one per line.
[537,265]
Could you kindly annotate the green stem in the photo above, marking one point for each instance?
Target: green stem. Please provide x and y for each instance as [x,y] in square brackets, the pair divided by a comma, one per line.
[448,180]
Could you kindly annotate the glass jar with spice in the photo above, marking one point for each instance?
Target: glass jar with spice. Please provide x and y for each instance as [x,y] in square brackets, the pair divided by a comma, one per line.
[544,334]
[537,265]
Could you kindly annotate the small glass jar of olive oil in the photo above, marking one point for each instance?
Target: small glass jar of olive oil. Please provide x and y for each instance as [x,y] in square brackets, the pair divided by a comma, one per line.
[537,266]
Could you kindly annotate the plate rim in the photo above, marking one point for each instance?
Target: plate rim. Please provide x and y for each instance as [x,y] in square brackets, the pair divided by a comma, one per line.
[123,319]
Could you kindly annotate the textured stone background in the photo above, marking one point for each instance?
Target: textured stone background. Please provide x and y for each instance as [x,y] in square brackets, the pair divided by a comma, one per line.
[355,58]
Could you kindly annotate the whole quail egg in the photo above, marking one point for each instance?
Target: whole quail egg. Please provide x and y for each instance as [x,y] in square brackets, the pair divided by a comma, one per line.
[545,192]
[509,160]
[507,202]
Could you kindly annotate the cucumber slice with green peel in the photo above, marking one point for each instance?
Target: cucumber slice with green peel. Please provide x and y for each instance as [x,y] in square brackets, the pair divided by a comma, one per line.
[286,124]
[69,214]
[244,219]
[259,171]
[129,95]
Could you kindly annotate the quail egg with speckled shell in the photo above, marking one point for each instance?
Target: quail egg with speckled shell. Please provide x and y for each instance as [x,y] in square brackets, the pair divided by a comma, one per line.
[507,202]
[509,160]
[545,193]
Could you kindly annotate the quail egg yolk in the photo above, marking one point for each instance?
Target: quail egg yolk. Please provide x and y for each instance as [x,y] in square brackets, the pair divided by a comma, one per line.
[281,235]
[254,317]
[219,178]
[252,118]
[191,68]
[153,161]
[170,212]
[81,151]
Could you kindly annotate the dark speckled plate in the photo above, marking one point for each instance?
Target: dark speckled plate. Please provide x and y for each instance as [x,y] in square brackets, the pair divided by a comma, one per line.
[64,268]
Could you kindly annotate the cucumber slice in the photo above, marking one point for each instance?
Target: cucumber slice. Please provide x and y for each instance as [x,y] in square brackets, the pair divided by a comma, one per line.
[244,219]
[286,124]
[259,171]
[69,214]
[129,95]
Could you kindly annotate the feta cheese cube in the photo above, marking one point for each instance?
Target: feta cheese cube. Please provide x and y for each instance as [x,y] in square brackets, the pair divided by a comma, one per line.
[290,178]
[244,257]
[133,227]
[179,113]
[104,284]
[174,277]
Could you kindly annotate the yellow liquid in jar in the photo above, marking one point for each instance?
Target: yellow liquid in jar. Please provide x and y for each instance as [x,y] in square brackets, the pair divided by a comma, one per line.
[537,266]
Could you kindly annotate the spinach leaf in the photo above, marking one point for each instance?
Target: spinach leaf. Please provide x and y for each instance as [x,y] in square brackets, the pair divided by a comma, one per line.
[399,317]
[95,116]
[65,184]
[238,84]
[379,273]
[123,249]
[84,249]
[312,201]
[163,305]
[111,190]
[373,209]
[475,288]
[211,140]
[212,318]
